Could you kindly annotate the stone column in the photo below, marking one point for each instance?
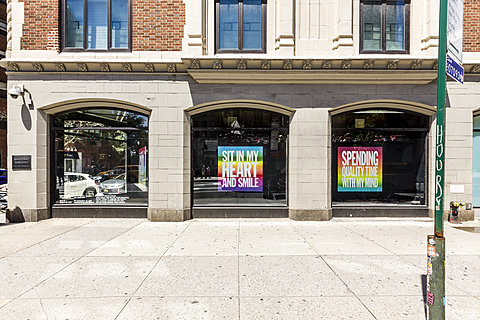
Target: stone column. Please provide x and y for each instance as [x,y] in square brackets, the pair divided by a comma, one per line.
[343,38]
[195,26]
[284,20]
[309,179]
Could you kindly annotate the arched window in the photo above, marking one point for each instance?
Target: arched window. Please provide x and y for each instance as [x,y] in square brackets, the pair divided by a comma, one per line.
[239,158]
[100,157]
[378,157]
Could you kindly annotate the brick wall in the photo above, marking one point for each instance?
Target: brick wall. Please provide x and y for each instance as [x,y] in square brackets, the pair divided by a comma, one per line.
[471,26]
[41,27]
[158,25]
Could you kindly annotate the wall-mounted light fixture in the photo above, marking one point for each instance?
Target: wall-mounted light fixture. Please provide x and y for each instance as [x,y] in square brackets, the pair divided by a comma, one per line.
[19,90]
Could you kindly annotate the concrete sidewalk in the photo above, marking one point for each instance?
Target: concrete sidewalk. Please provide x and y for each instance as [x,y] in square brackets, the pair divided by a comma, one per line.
[230,269]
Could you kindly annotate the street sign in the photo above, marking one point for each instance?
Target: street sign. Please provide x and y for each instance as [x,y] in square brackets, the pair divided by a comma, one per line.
[454,70]
[455,29]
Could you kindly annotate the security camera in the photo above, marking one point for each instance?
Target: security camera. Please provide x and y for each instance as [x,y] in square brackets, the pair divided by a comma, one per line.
[16,91]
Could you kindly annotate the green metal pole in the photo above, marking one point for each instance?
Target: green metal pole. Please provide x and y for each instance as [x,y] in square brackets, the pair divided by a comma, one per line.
[436,244]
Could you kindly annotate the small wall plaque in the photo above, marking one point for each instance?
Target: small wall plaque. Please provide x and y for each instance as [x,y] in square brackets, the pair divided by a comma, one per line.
[22,162]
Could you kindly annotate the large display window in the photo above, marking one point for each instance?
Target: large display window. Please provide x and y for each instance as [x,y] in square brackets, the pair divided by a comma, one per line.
[239,158]
[100,157]
[378,157]
[476,161]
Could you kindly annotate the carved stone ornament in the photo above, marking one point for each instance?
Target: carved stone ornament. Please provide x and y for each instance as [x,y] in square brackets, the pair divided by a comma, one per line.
[307,64]
[60,67]
[265,65]
[287,64]
[12,66]
[82,67]
[242,64]
[416,64]
[37,67]
[369,64]
[127,67]
[327,64]
[104,67]
[149,67]
[435,65]
[475,69]
[346,64]
[195,64]
[392,64]
[217,64]
[172,68]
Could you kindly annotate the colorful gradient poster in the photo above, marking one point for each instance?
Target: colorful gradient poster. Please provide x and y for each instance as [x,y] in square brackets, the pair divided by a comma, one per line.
[240,169]
[360,169]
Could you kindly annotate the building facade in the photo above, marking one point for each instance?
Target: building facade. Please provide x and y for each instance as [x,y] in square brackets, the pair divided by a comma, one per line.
[179,109]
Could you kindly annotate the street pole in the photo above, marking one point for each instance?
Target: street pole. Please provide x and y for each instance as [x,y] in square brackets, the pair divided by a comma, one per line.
[436,243]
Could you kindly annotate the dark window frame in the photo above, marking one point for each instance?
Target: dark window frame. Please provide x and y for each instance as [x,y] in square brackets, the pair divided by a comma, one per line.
[383,3]
[240,29]
[85,30]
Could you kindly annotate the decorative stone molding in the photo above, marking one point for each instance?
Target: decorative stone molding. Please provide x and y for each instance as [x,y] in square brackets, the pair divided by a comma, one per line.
[149,67]
[217,64]
[195,64]
[12,66]
[307,64]
[343,40]
[104,67]
[416,64]
[127,67]
[37,67]
[60,67]
[392,64]
[369,64]
[327,64]
[435,65]
[171,68]
[475,69]
[242,64]
[265,65]
[346,64]
[82,67]
[287,64]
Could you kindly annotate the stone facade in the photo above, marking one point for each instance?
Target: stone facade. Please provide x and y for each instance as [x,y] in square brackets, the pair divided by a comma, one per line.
[312,66]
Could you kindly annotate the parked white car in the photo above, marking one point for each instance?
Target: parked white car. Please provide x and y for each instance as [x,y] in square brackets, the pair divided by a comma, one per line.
[79,184]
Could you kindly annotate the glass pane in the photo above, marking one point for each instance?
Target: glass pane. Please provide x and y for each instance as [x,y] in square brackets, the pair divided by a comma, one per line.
[97,24]
[239,158]
[252,24]
[395,25]
[375,160]
[119,23]
[228,22]
[101,157]
[74,24]
[372,26]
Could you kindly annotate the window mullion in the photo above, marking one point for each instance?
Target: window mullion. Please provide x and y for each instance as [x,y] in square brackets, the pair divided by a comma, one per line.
[240,25]
[109,24]
[384,26]
[85,24]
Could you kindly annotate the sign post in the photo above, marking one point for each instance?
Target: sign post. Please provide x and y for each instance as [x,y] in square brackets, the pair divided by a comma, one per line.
[451,21]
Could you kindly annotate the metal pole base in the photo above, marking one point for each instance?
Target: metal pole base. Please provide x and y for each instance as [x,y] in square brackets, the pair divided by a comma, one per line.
[436,277]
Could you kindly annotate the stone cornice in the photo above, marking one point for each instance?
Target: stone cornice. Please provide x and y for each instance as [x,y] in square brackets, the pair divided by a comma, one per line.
[392,69]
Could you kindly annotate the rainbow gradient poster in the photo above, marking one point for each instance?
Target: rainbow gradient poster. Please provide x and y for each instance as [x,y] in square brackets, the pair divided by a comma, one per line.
[360,169]
[240,169]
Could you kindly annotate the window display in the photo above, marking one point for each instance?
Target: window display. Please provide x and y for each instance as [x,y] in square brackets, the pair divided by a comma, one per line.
[239,158]
[378,156]
[100,157]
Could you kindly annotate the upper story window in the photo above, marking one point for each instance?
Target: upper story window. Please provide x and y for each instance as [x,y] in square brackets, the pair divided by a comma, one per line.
[240,25]
[384,26]
[98,25]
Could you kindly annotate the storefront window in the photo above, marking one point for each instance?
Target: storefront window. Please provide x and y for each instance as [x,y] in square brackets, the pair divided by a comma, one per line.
[101,157]
[239,158]
[378,157]
[476,161]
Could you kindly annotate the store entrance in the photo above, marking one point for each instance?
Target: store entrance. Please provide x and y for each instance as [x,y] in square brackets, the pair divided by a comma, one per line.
[239,163]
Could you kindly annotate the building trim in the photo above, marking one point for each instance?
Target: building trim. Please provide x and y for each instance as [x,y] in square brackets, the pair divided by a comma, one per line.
[93,103]
[248,104]
[382,104]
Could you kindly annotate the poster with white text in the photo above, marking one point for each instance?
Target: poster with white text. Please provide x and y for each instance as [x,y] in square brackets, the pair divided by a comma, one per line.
[360,169]
[240,168]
